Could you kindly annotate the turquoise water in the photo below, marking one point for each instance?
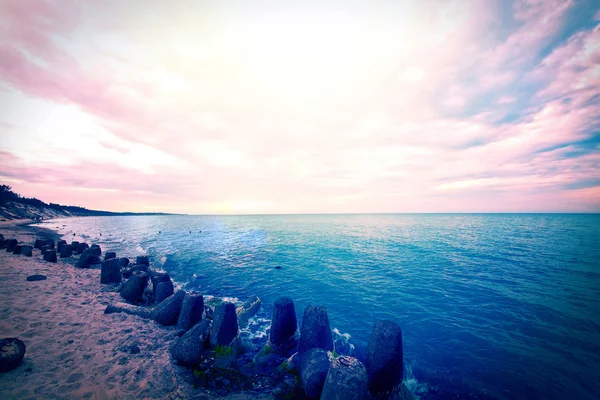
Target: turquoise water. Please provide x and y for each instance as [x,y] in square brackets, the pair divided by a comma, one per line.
[492,306]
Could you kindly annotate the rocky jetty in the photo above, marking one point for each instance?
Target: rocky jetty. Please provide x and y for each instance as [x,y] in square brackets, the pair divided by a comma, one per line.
[311,362]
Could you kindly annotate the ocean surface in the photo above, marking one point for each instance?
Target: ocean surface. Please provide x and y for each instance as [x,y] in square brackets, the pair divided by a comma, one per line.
[492,306]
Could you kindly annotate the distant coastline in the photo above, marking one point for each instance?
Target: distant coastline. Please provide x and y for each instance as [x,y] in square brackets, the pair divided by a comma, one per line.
[13,206]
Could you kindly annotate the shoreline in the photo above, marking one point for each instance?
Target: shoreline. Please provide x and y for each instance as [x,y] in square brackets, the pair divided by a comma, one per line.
[74,349]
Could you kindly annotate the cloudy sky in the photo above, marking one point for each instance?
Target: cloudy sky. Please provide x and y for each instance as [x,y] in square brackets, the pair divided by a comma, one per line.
[270,107]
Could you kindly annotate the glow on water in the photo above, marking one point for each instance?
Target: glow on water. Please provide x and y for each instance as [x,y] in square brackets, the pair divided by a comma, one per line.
[499,306]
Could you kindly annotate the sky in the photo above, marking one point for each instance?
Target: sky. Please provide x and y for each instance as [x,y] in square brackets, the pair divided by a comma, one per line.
[217,107]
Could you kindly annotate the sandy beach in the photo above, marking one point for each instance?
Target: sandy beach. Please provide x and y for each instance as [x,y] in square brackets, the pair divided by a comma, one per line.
[74,350]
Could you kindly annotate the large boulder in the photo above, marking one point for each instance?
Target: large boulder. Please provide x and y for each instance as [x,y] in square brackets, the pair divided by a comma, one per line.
[50,256]
[66,251]
[284,323]
[142,260]
[225,325]
[315,330]
[162,286]
[123,262]
[50,242]
[127,272]
[88,257]
[384,357]
[314,364]
[346,380]
[188,349]
[110,254]
[247,310]
[95,249]
[81,247]
[74,246]
[110,271]
[10,245]
[167,312]
[60,244]
[192,308]
[12,351]
[27,250]
[39,243]
[17,249]
[133,289]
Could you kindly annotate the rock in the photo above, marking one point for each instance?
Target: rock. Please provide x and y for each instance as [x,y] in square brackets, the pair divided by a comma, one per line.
[123,262]
[247,310]
[162,286]
[192,308]
[142,260]
[110,272]
[44,248]
[110,254]
[50,256]
[12,351]
[39,243]
[346,380]
[81,247]
[188,349]
[17,249]
[283,323]
[66,251]
[128,309]
[74,246]
[50,242]
[167,312]
[27,250]
[60,244]
[384,357]
[314,364]
[315,330]
[134,287]
[32,278]
[87,258]
[10,245]
[95,249]
[127,273]
[225,325]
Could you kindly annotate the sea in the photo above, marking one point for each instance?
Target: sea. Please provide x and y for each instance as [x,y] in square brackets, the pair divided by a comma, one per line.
[491,306]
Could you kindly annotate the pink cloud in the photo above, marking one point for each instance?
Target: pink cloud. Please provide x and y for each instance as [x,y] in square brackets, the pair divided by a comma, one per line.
[371,145]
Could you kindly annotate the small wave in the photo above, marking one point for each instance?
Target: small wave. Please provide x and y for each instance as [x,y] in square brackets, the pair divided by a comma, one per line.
[257,328]
[233,300]
[341,343]
[412,384]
